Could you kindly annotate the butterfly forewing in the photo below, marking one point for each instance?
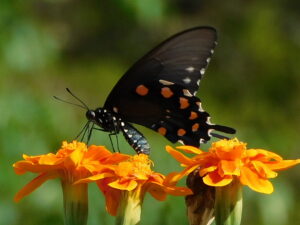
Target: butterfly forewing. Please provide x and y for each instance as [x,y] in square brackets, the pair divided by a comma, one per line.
[181,59]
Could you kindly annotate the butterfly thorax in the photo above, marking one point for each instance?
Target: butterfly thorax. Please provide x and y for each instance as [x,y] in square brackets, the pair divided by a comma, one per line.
[104,119]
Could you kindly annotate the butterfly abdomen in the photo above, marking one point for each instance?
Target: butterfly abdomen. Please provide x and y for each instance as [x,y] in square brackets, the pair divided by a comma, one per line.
[135,139]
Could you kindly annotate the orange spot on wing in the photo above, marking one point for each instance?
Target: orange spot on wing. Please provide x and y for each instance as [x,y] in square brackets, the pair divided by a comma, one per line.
[193,115]
[162,131]
[195,127]
[181,132]
[166,92]
[142,90]
[184,103]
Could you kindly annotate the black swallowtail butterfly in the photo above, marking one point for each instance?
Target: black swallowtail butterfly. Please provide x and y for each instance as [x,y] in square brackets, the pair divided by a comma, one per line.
[159,92]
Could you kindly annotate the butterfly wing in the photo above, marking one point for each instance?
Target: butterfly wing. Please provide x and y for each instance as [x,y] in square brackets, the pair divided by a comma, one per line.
[159,90]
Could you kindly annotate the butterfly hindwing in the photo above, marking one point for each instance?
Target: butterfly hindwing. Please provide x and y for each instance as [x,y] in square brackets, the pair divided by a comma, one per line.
[182,118]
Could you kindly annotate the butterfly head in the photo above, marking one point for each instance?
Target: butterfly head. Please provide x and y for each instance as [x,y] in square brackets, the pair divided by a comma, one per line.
[91,115]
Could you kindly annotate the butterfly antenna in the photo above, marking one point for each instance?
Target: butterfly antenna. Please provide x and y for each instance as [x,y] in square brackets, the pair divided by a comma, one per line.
[71,103]
[78,99]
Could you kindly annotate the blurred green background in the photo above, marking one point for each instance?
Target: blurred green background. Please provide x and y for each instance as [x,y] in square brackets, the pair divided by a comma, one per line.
[252,84]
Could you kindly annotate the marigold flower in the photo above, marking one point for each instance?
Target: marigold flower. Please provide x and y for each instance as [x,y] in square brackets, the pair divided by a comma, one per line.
[73,161]
[226,166]
[228,160]
[125,185]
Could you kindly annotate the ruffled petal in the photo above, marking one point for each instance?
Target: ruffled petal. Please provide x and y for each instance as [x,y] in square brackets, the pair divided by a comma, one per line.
[124,169]
[263,170]
[262,155]
[74,159]
[255,182]
[214,179]
[112,196]
[128,185]
[157,191]
[228,149]
[205,170]
[229,167]
[116,158]
[50,159]
[97,153]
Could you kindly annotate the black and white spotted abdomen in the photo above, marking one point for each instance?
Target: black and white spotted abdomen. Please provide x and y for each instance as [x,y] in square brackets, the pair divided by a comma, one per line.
[135,139]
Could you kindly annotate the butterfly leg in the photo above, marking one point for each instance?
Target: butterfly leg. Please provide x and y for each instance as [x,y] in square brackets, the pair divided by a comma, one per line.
[90,134]
[109,135]
[112,144]
[116,128]
[86,128]
[117,139]
[82,130]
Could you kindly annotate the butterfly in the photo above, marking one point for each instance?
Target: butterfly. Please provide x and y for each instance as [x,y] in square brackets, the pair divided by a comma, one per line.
[159,92]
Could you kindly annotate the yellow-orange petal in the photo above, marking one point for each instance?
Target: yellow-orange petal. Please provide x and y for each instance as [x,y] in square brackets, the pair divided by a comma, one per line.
[157,177]
[141,175]
[74,158]
[173,178]
[261,154]
[23,166]
[34,184]
[112,201]
[178,191]
[189,149]
[263,170]
[116,158]
[228,149]
[214,179]
[49,159]
[112,196]
[96,177]
[157,191]
[97,153]
[229,167]
[204,170]
[124,169]
[128,186]
[255,182]
[282,165]
[184,160]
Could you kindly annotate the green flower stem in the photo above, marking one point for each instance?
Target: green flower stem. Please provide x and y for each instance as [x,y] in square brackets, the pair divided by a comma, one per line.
[129,211]
[228,204]
[75,203]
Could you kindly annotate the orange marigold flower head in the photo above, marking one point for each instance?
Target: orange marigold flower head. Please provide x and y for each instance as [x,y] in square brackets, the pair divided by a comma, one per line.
[73,161]
[227,160]
[133,176]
